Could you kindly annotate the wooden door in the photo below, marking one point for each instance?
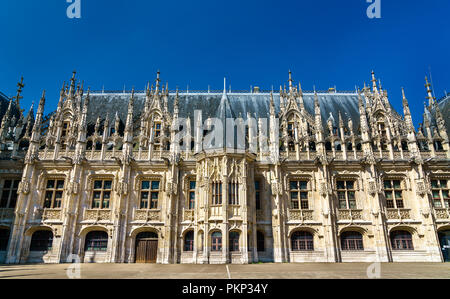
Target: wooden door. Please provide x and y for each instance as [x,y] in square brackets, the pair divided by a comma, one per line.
[146,250]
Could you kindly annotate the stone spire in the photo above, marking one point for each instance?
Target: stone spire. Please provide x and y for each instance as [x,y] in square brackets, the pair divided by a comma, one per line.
[72,85]
[363,119]
[83,120]
[30,119]
[407,113]
[6,122]
[18,96]
[430,97]
[374,83]
[128,136]
[175,105]
[38,121]
[317,114]
[272,104]
[290,81]
[300,97]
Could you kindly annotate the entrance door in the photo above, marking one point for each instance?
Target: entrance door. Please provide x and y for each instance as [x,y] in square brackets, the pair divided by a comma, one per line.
[146,247]
[444,238]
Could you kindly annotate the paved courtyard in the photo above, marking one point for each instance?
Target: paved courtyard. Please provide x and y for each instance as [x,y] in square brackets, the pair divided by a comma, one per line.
[254,271]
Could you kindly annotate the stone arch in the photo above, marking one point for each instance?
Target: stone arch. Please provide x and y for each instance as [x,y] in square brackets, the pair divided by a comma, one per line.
[84,231]
[439,230]
[30,231]
[310,230]
[143,229]
[363,231]
[413,231]
[133,236]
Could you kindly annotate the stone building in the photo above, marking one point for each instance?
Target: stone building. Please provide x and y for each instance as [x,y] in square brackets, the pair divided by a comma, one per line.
[333,177]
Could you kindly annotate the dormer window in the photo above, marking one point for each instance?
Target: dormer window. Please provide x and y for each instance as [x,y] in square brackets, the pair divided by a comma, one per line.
[290,129]
[157,129]
[65,128]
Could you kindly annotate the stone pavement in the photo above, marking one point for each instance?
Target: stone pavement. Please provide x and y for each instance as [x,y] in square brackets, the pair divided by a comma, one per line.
[253,271]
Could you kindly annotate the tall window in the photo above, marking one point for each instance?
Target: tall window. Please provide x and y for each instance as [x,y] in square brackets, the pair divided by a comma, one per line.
[346,194]
[217,193]
[302,241]
[394,194]
[64,133]
[192,185]
[9,193]
[189,241]
[4,238]
[299,195]
[401,240]
[53,194]
[149,194]
[290,129]
[260,245]
[441,195]
[96,241]
[351,241]
[157,130]
[65,129]
[233,193]
[216,241]
[258,195]
[234,241]
[102,194]
[41,240]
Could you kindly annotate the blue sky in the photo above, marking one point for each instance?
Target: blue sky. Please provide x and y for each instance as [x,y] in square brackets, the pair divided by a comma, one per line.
[197,43]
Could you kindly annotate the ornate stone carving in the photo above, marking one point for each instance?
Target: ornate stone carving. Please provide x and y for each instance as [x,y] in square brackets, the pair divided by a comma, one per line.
[323,189]
[122,188]
[421,188]
[442,213]
[97,215]
[24,187]
[188,215]
[276,188]
[51,214]
[147,215]
[372,187]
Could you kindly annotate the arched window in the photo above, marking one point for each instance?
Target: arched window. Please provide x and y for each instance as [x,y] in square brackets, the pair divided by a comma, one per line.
[216,241]
[96,241]
[291,146]
[41,240]
[302,241]
[4,237]
[189,241]
[351,241]
[438,146]
[260,241]
[234,241]
[401,240]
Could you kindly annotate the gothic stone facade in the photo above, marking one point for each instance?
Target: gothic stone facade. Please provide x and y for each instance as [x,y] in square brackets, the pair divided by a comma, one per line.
[346,179]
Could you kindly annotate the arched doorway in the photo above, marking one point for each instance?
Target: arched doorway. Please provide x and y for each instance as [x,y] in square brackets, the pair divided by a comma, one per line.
[146,247]
[444,239]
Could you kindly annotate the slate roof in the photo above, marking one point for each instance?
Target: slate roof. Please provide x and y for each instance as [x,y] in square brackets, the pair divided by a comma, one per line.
[211,105]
